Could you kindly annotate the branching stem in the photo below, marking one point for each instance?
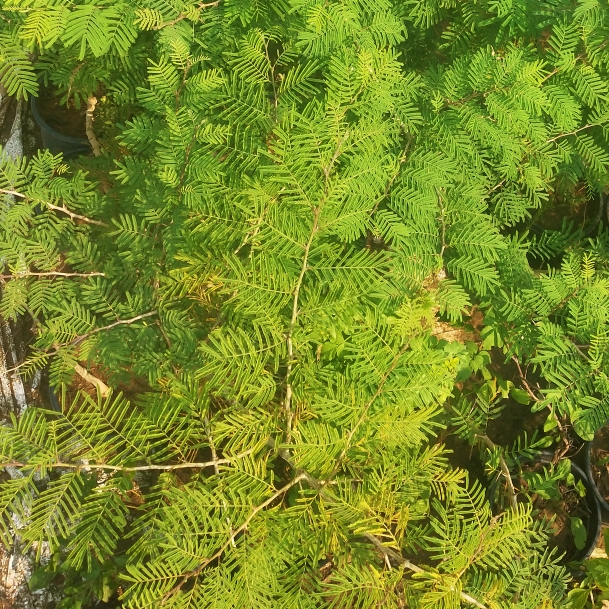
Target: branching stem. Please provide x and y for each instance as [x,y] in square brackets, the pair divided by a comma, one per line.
[200,6]
[61,208]
[505,470]
[406,564]
[364,414]
[120,322]
[19,275]
[290,341]
[231,539]
[138,468]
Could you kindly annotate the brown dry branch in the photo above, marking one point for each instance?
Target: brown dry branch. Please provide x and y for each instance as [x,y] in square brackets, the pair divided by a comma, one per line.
[138,468]
[104,390]
[95,145]
[20,274]
[120,322]
[63,208]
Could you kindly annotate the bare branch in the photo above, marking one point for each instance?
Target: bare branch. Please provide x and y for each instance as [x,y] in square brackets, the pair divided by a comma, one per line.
[74,216]
[138,468]
[524,380]
[574,132]
[104,390]
[18,275]
[364,414]
[120,322]
[406,564]
[95,145]
[63,208]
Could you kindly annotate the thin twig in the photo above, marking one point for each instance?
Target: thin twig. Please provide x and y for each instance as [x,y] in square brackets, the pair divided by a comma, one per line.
[443,233]
[575,60]
[138,468]
[183,16]
[327,170]
[321,487]
[574,132]
[212,446]
[524,380]
[63,208]
[196,571]
[20,274]
[120,322]
[79,339]
[364,414]
[74,216]
[494,188]
[406,564]
[395,175]
[505,470]
[290,342]
[14,193]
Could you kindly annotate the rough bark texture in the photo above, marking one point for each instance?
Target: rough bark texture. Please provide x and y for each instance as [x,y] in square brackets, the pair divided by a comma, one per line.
[17,132]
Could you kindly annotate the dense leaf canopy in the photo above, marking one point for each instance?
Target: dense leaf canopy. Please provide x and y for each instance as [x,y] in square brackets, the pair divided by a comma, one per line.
[292,196]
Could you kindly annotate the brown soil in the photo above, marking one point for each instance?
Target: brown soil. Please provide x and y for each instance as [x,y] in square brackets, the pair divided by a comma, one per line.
[67,119]
[600,470]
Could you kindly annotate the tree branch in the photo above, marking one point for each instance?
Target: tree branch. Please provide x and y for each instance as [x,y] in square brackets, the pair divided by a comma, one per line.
[121,322]
[574,132]
[137,468]
[231,539]
[74,216]
[394,177]
[63,208]
[50,274]
[364,414]
[320,486]
[505,470]
[95,145]
[290,342]
[183,16]
[406,564]
[327,170]
[524,380]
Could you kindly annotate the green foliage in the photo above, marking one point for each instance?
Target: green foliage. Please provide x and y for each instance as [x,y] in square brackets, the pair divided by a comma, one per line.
[292,194]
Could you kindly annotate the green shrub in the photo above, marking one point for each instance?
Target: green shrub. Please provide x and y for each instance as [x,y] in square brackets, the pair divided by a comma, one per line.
[292,193]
